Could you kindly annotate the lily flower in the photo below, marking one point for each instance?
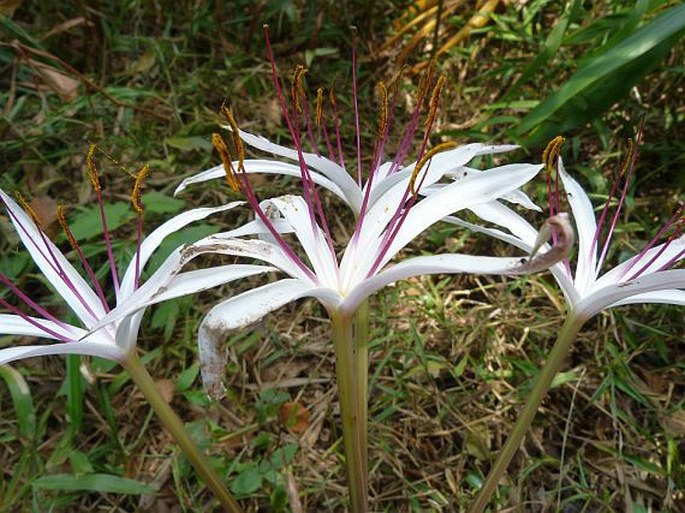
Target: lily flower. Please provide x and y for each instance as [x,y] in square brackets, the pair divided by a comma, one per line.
[342,285]
[650,276]
[392,206]
[115,341]
[647,277]
[95,336]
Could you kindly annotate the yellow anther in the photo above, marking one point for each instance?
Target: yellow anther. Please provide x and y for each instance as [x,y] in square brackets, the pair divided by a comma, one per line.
[629,158]
[421,163]
[435,101]
[296,87]
[383,115]
[237,141]
[550,156]
[319,106]
[92,169]
[65,227]
[222,149]
[137,187]
[331,97]
[426,79]
[27,208]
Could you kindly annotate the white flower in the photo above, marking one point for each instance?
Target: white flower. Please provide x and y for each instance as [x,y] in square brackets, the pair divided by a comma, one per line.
[647,277]
[117,339]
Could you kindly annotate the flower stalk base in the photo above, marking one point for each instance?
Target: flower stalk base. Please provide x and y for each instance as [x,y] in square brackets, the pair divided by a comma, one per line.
[554,363]
[351,355]
[174,425]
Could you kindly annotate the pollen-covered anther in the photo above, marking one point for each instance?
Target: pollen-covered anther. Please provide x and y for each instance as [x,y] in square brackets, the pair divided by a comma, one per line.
[434,102]
[627,162]
[297,89]
[222,149]
[137,187]
[61,218]
[383,114]
[426,79]
[679,222]
[237,141]
[319,106]
[92,169]
[27,208]
[550,157]
[421,163]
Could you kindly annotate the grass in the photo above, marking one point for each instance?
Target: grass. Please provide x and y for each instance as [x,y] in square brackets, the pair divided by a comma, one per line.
[451,358]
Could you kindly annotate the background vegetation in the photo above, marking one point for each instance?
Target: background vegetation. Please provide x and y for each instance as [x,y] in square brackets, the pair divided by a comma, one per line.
[452,358]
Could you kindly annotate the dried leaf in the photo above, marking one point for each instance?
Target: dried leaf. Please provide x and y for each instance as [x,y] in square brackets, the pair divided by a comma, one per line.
[294,416]
[62,84]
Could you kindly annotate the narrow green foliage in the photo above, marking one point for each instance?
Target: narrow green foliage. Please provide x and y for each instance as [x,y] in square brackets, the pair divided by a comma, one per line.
[604,79]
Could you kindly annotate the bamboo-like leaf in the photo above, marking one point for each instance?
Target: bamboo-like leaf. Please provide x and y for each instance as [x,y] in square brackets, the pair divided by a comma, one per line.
[21,399]
[104,483]
[605,79]
[549,47]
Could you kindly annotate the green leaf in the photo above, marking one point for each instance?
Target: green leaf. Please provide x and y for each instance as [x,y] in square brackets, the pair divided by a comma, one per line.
[158,203]
[549,48]
[186,236]
[104,483]
[189,143]
[605,79]
[21,399]
[247,482]
[186,378]
[87,224]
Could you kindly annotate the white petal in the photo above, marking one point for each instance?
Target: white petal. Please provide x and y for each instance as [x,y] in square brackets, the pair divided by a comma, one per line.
[627,269]
[95,345]
[152,241]
[161,287]
[294,210]
[330,169]
[458,195]
[436,264]
[190,282]
[85,348]
[621,293]
[79,297]
[253,166]
[239,312]
[671,297]
[584,217]
[248,248]
[524,238]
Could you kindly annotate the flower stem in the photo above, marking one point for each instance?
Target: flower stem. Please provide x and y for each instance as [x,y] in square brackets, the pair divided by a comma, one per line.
[351,358]
[554,363]
[174,425]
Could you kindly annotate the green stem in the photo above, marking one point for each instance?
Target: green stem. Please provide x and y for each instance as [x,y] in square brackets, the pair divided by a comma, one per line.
[554,363]
[351,358]
[174,425]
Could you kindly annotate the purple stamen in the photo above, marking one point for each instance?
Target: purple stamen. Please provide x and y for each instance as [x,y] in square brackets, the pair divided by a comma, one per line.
[336,118]
[619,207]
[35,323]
[108,244]
[51,259]
[651,244]
[139,241]
[84,262]
[28,301]
[356,108]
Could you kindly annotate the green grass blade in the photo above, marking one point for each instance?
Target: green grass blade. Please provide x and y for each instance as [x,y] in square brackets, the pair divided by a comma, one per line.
[605,79]
[104,483]
[548,50]
[75,392]
[22,401]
